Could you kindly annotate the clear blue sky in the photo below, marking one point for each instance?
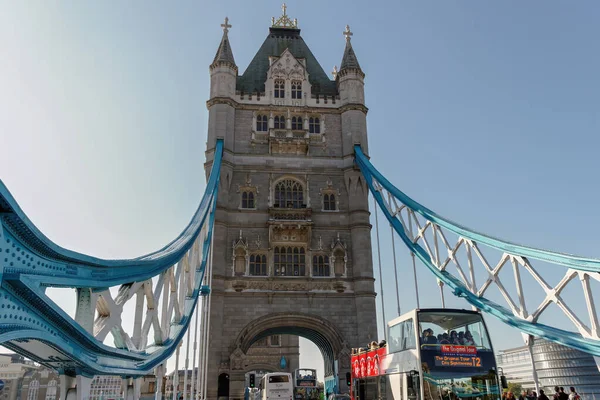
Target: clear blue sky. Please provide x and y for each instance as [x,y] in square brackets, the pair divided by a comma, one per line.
[487,112]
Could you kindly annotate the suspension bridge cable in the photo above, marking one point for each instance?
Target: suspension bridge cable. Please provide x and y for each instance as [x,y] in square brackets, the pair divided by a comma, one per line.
[441,285]
[187,363]
[202,356]
[380,275]
[414,263]
[395,269]
[193,381]
[176,373]
[210,268]
[200,348]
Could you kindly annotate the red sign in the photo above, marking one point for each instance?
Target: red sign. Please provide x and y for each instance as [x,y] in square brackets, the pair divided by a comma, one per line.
[456,349]
[368,363]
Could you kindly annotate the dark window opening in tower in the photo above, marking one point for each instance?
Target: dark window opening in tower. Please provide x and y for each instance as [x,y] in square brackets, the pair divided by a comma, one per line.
[261,123]
[258,265]
[329,202]
[279,89]
[289,194]
[279,122]
[289,261]
[321,266]
[296,90]
[248,199]
[275,340]
[314,125]
[297,123]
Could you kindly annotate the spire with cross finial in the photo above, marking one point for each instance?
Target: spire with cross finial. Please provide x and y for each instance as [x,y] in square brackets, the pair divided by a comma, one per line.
[349,61]
[226,25]
[224,54]
[284,21]
[347,33]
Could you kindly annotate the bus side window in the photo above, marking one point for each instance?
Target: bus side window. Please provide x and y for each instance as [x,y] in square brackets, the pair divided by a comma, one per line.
[409,334]
[383,382]
[395,338]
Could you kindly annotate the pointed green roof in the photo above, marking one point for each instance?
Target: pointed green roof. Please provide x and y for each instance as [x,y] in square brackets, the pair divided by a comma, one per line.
[349,60]
[224,52]
[279,39]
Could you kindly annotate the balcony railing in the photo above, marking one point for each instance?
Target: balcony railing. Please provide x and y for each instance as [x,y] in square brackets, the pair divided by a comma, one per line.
[290,214]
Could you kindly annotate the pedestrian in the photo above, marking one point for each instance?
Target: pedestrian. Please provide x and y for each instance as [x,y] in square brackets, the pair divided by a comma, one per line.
[562,394]
[542,395]
[573,395]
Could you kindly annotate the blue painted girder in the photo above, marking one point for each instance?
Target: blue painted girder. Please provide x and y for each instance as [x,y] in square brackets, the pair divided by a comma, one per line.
[32,325]
[567,338]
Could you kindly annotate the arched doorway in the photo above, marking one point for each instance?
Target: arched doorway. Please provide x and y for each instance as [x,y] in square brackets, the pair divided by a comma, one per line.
[223,386]
[319,331]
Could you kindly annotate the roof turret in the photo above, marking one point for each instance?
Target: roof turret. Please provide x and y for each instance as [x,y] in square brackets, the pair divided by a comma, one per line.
[284,34]
[349,61]
[224,54]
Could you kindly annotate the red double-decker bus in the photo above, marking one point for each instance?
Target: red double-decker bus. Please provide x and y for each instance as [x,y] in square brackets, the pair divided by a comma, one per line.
[431,354]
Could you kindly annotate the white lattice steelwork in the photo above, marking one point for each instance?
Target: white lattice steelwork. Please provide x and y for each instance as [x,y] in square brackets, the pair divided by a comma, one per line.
[472,265]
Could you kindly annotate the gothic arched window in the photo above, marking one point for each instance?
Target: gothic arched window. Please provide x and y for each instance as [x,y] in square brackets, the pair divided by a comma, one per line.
[329,202]
[258,265]
[51,390]
[34,387]
[289,194]
[240,261]
[314,125]
[296,90]
[279,122]
[279,89]
[248,199]
[289,261]
[321,266]
[297,123]
[261,123]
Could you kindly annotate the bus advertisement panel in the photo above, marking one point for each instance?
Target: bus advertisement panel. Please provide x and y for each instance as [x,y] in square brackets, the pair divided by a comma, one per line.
[431,354]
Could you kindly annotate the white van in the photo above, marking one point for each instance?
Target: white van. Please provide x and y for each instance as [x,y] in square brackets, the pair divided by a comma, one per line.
[276,386]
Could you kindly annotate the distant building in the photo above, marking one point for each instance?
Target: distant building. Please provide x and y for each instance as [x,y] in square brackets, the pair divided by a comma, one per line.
[556,365]
[13,369]
[25,380]
[40,384]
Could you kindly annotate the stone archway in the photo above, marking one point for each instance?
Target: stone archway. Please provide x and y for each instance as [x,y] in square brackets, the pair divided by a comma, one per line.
[325,335]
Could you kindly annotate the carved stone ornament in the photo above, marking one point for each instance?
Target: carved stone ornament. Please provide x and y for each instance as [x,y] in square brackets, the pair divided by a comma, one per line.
[292,235]
[240,255]
[287,67]
[284,286]
[339,257]
[224,367]
[247,186]
[344,356]
[237,358]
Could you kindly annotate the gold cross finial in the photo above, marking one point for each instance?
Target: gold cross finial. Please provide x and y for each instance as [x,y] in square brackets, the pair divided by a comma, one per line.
[284,21]
[347,33]
[226,25]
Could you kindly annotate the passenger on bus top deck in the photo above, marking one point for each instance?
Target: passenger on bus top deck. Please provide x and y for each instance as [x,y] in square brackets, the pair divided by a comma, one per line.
[453,337]
[428,337]
[469,339]
[445,339]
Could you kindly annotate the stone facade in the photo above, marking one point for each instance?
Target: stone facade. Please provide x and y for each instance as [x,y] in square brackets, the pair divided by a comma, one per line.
[292,245]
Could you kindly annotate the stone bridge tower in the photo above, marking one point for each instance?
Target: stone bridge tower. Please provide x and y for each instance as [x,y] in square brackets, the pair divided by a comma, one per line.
[292,244]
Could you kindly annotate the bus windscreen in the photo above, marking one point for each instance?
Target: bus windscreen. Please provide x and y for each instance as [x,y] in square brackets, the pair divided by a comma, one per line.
[454,342]
[278,379]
